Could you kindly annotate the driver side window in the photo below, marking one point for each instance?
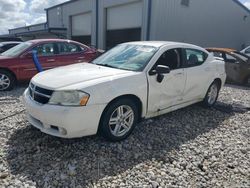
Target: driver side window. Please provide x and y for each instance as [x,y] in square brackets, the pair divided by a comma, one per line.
[47,49]
[170,58]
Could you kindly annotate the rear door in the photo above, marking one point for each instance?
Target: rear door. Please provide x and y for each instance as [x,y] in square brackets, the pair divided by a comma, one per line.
[163,95]
[199,74]
[47,56]
[70,53]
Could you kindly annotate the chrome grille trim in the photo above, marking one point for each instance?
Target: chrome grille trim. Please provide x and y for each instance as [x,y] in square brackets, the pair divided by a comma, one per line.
[39,95]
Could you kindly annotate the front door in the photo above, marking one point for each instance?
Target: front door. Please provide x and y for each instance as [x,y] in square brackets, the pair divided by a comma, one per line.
[46,55]
[168,93]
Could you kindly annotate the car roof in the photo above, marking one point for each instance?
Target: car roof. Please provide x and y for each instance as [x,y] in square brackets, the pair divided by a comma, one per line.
[49,40]
[151,43]
[228,50]
[159,44]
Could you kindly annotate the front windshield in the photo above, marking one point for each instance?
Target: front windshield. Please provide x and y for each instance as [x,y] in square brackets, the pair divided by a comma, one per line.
[241,56]
[127,57]
[17,50]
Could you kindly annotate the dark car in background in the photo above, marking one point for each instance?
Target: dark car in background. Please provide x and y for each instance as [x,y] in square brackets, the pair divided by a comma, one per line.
[237,65]
[246,51]
[7,39]
[16,64]
[4,46]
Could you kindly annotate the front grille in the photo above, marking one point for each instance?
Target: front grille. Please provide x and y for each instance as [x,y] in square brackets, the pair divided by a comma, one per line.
[39,94]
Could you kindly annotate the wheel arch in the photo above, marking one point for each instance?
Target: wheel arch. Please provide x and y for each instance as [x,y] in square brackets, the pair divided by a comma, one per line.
[132,97]
[218,80]
[11,72]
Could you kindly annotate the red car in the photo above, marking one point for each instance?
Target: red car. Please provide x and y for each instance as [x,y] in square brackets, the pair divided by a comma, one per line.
[16,64]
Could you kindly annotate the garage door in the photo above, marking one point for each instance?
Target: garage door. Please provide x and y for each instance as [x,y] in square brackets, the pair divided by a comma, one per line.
[81,28]
[124,24]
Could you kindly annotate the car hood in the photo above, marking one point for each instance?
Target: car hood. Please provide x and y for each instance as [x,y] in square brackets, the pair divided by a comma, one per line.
[5,57]
[76,74]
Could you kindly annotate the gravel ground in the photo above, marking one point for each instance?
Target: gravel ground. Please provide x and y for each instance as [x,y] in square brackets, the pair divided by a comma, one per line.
[191,147]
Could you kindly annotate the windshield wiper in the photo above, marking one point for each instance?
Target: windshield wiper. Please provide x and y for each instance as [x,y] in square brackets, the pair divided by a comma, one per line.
[107,65]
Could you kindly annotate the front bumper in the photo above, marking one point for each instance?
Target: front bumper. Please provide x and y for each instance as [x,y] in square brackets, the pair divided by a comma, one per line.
[62,121]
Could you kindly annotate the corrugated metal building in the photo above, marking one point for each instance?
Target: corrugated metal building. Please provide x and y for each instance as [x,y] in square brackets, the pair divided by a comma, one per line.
[105,23]
[41,31]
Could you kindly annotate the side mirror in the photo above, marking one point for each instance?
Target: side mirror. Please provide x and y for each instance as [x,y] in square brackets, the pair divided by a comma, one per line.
[161,69]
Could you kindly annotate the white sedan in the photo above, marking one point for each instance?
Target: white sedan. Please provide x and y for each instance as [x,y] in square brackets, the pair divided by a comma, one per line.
[130,82]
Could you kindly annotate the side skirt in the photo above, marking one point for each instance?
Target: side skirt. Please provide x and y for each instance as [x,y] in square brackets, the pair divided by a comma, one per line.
[172,108]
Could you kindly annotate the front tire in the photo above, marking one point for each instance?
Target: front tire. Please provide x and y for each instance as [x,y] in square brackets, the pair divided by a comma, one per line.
[7,80]
[118,120]
[212,94]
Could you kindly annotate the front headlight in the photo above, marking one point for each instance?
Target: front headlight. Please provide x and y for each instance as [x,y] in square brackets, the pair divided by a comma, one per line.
[69,98]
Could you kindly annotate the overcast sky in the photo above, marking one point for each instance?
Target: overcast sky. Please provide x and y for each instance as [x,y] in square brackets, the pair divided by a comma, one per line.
[18,13]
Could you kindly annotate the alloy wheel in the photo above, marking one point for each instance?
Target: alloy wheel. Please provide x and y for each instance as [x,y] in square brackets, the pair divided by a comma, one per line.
[121,120]
[4,81]
[212,94]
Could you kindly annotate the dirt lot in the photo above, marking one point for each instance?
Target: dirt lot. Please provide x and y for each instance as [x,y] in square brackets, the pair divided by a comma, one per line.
[191,147]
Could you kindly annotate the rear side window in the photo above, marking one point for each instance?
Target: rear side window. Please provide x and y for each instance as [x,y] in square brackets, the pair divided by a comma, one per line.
[194,57]
[68,48]
[217,54]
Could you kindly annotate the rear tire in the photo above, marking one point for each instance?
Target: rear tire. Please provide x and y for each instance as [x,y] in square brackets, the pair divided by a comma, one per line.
[118,120]
[7,80]
[212,94]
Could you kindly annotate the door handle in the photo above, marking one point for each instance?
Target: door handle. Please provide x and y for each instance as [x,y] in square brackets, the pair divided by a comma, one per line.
[51,60]
[78,61]
[179,73]
[207,69]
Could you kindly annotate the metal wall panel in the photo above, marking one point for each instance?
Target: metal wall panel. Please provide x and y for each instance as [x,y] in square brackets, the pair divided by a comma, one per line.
[124,16]
[105,5]
[81,24]
[55,17]
[63,19]
[220,23]
[206,23]
[36,27]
